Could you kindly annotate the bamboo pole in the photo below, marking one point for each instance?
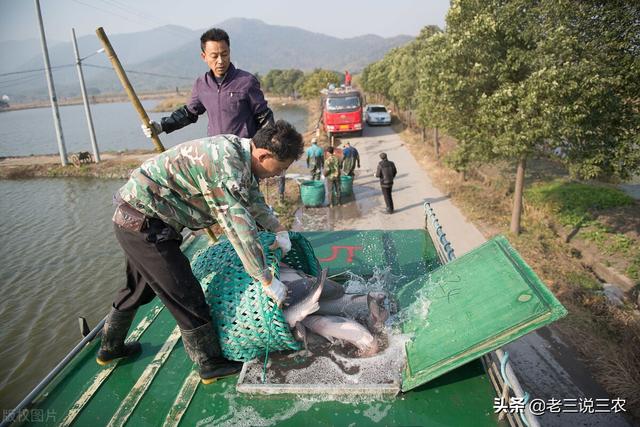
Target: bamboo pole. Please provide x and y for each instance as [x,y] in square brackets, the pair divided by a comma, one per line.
[111,54]
[117,66]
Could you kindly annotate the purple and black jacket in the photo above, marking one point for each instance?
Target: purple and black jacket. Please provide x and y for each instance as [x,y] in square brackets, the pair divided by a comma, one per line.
[234,106]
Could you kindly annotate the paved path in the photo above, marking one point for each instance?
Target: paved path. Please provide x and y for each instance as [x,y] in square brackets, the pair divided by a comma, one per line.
[547,367]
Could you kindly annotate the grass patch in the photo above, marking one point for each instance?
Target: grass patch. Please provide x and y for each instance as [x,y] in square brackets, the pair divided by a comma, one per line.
[574,203]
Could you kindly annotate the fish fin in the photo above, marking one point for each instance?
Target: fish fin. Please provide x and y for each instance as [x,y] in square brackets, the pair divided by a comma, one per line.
[316,290]
[377,313]
[302,333]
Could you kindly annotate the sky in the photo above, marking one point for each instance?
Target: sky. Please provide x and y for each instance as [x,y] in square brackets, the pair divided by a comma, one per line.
[336,18]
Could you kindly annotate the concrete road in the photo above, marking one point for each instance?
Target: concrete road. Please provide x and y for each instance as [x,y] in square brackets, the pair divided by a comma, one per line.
[547,367]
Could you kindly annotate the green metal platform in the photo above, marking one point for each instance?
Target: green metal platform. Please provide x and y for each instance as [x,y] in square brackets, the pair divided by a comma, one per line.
[161,386]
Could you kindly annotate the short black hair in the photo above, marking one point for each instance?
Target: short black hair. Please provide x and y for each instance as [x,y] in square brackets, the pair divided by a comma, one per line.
[282,139]
[214,35]
[383,156]
[330,149]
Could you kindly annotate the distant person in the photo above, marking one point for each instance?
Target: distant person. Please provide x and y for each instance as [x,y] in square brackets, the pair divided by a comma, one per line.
[315,159]
[386,172]
[231,97]
[347,78]
[332,174]
[350,158]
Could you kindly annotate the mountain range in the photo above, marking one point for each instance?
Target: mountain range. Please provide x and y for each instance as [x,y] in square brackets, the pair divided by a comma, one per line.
[171,56]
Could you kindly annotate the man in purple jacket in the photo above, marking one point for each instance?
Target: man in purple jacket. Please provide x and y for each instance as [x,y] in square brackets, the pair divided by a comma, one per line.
[231,97]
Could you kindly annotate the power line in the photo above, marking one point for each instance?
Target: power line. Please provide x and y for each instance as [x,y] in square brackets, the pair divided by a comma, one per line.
[144,15]
[24,80]
[35,70]
[106,11]
[137,20]
[142,72]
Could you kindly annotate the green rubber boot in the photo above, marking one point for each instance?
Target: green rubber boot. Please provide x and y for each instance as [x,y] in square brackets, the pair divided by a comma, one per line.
[201,344]
[114,333]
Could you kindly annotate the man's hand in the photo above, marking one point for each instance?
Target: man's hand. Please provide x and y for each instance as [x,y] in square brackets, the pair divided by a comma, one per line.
[277,291]
[282,241]
[146,129]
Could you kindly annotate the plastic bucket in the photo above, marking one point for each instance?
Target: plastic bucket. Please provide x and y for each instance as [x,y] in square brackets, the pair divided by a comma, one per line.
[312,193]
[346,185]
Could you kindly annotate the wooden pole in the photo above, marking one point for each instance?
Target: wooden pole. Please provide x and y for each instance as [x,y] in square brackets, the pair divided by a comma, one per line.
[111,54]
[516,213]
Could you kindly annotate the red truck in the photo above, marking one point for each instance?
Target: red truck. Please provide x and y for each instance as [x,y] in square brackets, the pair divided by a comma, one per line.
[342,111]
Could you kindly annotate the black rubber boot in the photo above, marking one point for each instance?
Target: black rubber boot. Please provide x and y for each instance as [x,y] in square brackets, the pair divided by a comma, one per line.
[114,333]
[201,344]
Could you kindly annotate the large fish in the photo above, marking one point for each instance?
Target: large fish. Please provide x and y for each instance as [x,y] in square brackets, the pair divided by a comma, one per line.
[300,308]
[340,328]
[327,299]
[300,284]
[365,308]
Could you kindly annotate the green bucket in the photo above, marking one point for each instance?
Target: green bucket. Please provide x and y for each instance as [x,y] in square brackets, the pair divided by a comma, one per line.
[244,317]
[346,185]
[312,193]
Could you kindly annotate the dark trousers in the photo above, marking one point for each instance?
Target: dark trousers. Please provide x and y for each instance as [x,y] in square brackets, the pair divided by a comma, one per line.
[388,200]
[316,173]
[157,266]
[333,185]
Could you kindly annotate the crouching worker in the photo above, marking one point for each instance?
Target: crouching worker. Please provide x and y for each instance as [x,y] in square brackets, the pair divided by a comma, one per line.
[195,185]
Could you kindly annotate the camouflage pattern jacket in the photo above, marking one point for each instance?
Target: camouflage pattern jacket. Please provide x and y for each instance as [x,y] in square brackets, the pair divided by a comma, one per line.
[201,182]
[332,167]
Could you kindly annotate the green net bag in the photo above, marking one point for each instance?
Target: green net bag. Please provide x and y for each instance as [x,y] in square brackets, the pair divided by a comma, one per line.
[244,317]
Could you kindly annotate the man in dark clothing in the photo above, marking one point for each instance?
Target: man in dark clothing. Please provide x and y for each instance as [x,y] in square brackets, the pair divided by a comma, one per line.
[386,172]
[350,158]
[231,97]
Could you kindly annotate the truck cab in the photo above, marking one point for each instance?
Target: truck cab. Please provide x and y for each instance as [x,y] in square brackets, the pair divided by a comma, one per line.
[342,111]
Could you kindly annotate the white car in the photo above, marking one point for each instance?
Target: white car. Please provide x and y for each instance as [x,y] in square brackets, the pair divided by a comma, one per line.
[377,115]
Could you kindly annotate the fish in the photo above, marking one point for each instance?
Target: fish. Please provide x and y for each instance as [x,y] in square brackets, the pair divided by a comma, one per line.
[300,284]
[365,308]
[301,308]
[346,330]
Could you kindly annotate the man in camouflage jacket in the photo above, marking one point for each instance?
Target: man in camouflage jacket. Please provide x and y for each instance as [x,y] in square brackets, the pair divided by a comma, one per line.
[195,185]
[332,174]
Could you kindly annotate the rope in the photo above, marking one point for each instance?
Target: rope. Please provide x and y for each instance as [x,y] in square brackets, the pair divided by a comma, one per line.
[269,322]
[266,350]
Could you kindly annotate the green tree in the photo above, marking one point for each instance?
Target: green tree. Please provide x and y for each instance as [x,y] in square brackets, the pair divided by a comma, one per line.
[318,79]
[514,80]
[283,82]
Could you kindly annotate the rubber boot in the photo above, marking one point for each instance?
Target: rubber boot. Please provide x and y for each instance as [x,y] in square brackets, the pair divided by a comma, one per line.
[114,333]
[201,344]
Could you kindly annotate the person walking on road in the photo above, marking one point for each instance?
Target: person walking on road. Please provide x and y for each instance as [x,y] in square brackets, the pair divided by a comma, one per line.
[194,185]
[350,158]
[332,174]
[315,159]
[231,97]
[386,172]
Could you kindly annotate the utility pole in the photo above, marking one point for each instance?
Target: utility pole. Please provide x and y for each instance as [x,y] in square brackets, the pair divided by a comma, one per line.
[83,89]
[52,90]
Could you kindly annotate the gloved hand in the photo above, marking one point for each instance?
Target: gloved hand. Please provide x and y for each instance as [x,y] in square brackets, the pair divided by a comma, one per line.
[282,241]
[146,129]
[277,291]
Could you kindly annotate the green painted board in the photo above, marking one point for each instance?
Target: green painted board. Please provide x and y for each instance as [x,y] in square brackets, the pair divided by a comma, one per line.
[469,307]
